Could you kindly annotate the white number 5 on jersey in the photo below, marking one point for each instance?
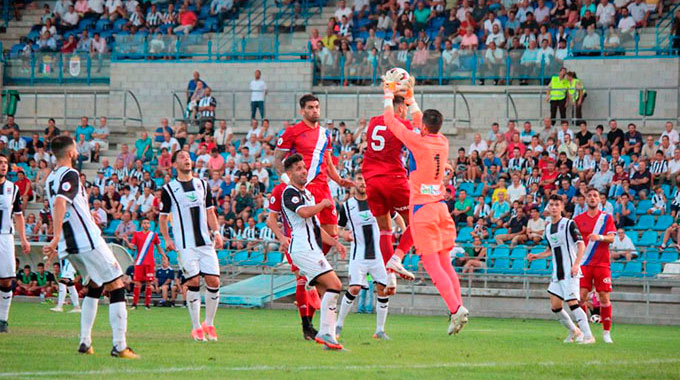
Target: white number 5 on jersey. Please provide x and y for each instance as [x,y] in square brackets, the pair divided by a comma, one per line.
[378,142]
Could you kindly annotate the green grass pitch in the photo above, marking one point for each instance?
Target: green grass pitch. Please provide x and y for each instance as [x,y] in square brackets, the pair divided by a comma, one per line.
[268,344]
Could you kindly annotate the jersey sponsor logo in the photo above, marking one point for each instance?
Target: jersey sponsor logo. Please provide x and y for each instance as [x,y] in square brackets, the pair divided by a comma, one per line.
[365,215]
[607,280]
[430,189]
[192,197]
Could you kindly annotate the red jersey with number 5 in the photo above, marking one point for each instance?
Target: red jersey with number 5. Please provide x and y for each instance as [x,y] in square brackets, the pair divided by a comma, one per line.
[384,150]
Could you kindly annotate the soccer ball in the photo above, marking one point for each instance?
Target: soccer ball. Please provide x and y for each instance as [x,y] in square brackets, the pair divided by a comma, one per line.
[595,318]
[397,79]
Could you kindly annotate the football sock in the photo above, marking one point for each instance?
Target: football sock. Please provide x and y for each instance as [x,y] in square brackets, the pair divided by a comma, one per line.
[441,281]
[381,313]
[88,315]
[194,306]
[313,301]
[345,307]
[386,245]
[445,262]
[329,304]
[306,322]
[73,292]
[5,302]
[564,319]
[582,320]
[406,242]
[301,296]
[62,295]
[326,247]
[606,315]
[147,294]
[212,300]
[118,318]
[135,294]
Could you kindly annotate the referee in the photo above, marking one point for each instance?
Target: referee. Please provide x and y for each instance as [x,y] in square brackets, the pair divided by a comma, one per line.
[194,226]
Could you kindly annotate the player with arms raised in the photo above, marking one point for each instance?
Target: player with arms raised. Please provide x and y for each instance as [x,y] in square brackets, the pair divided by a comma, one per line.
[386,178]
[598,229]
[10,206]
[432,228]
[307,300]
[313,142]
[566,247]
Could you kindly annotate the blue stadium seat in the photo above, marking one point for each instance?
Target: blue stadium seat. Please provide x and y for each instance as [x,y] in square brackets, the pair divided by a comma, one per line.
[102,24]
[112,227]
[653,269]
[222,256]
[617,269]
[519,253]
[633,235]
[663,222]
[478,190]
[16,50]
[468,187]
[666,190]
[500,231]
[274,259]
[646,222]
[500,252]
[643,206]
[411,262]
[632,269]
[648,239]
[669,255]
[538,267]
[118,24]
[650,255]
[517,266]
[172,257]
[500,266]
[240,258]
[256,258]
[464,235]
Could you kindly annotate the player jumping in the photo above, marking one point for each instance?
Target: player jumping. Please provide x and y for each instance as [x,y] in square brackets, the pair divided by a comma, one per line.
[387,184]
[66,277]
[364,256]
[307,300]
[598,229]
[10,205]
[566,247]
[144,241]
[313,142]
[77,237]
[432,228]
[194,225]
[300,212]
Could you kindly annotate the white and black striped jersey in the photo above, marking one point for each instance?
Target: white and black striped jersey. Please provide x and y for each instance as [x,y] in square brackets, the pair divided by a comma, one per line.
[122,173]
[250,233]
[562,238]
[305,232]
[101,184]
[659,201]
[516,164]
[582,164]
[658,167]
[79,233]
[676,198]
[188,202]
[139,174]
[10,204]
[355,215]
[205,102]
[154,19]
[267,234]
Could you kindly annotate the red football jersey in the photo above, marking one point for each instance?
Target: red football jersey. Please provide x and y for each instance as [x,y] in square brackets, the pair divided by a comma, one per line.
[312,144]
[597,252]
[275,205]
[145,243]
[383,153]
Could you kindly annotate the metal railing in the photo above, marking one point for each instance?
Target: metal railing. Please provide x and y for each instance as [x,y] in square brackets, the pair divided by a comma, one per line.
[664,25]
[57,68]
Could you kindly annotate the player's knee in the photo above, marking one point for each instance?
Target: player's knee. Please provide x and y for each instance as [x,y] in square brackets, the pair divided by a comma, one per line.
[380,289]
[95,292]
[5,287]
[212,281]
[354,290]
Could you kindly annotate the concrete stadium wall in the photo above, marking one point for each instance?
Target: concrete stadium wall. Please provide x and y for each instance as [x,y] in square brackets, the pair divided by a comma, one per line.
[154,82]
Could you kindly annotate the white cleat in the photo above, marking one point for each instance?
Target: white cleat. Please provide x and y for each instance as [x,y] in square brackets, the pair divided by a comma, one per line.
[574,336]
[57,309]
[588,340]
[606,337]
[75,310]
[395,265]
[391,287]
[458,320]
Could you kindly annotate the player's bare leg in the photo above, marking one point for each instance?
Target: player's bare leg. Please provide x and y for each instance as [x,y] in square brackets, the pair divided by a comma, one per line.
[331,229]
[212,300]
[606,314]
[329,287]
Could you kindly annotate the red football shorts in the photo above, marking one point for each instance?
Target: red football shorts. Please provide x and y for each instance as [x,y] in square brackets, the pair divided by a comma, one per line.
[432,228]
[599,276]
[386,194]
[144,273]
[321,191]
[293,268]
